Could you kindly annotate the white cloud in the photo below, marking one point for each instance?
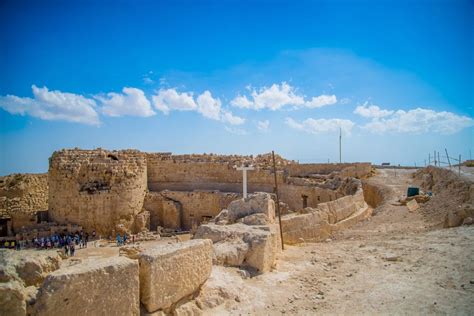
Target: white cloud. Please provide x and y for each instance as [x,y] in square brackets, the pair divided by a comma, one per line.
[419,121]
[228,117]
[319,126]
[169,99]
[236,131]
[373,111]
[53,105]
[278,96]
[131,102]
[208,106]
[322,100]
[241,102]
[263,125]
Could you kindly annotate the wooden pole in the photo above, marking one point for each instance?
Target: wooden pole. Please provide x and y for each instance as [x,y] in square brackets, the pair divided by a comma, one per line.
[439,160]
[340,145]
[459,165]
[434,157]
[449,161]
[429,158]
[277,200]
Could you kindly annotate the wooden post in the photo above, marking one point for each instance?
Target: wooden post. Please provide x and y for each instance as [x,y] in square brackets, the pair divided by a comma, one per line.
[459,164]
[277,200]
[449,161]
[434,157]
[439,160]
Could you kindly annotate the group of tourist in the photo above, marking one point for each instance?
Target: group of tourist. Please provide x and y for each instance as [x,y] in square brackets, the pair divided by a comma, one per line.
[68,241]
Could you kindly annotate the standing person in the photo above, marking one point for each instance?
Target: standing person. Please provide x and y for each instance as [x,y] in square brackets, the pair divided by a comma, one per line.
[119,239]
[124,238]
[73,249]
[87,239]
[93,234]
[66,249]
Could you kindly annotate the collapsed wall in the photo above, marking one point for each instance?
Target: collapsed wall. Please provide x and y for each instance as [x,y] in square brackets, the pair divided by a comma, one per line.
[97,189]
[21,197]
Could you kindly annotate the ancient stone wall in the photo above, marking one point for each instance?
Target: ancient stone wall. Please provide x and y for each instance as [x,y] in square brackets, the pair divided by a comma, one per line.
[97,189]
[318,223]
[357,170]
[21,196]
[183,209]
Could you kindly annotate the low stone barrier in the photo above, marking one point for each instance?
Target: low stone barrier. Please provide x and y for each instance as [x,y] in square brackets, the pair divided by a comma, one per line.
[107,286]
[170,273]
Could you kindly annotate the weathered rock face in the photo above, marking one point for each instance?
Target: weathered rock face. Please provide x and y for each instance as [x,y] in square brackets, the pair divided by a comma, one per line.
[253,204]
[12,299]
[97,189]
[170,273]
[100,287]
[21,196]
[247,243]
[27,267]
[238,244]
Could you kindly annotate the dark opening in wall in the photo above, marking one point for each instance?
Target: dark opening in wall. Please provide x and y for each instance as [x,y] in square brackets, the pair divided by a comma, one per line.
[113,157]
[4,227]
[42,216]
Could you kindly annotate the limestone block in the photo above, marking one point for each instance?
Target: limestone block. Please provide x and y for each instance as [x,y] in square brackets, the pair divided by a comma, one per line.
[169,273]
[254,203]
[243,245]
[12,299]
[106,286]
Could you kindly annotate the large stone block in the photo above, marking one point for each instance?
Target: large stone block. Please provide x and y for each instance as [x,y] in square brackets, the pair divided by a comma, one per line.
[243,245]
[12,299]
[253,204]
[169,273]
[108,286]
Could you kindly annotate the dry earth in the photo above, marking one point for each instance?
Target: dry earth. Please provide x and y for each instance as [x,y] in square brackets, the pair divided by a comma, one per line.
[394,263]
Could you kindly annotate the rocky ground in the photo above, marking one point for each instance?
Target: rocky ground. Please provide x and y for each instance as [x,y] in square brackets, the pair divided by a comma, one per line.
[397,262]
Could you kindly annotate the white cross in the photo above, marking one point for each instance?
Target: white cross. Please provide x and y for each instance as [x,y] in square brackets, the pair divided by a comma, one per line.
[244,174]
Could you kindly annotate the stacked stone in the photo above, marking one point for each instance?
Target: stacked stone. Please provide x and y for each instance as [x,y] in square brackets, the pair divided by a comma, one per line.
[98,189]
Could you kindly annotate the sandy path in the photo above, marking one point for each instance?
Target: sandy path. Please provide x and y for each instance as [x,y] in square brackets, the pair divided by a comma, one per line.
[393,263]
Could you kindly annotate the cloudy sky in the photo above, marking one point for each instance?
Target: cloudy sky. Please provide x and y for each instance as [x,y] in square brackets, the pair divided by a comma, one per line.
[237,77]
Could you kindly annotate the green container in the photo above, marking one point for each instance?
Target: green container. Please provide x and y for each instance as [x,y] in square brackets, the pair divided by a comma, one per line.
[412,191]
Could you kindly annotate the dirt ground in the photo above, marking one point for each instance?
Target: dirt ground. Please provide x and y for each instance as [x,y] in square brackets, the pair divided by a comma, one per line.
[394,263]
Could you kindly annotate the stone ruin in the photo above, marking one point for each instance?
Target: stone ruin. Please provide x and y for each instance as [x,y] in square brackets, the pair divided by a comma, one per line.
[130,191]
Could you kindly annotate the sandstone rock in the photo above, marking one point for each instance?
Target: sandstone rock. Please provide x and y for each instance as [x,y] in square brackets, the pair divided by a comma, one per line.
[453,219]
[242,245]
[254,203]
[28,267]
[468,221]
[108,286]
[12,299]
[131,252]
[188,309]
[169,273]
[256,219]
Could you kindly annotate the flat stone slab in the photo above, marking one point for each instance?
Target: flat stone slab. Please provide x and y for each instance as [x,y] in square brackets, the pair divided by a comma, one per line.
[108,286]
[169,273]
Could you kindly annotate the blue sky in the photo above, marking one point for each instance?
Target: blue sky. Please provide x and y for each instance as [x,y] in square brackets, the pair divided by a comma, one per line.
[236,77]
